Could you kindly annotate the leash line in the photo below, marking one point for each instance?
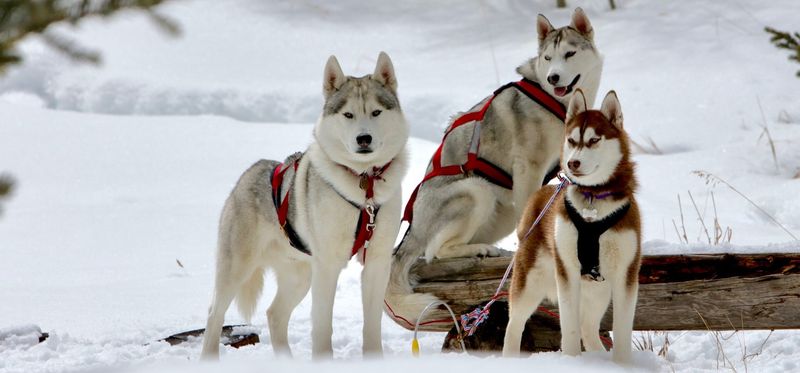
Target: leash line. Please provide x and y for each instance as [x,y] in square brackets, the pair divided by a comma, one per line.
[471,321]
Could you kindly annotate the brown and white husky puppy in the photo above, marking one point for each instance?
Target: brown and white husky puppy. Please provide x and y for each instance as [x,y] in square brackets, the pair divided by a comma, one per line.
[587,248]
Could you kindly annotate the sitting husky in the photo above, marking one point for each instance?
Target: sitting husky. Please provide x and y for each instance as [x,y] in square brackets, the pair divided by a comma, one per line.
[493,158]
[587,247]
[305,218]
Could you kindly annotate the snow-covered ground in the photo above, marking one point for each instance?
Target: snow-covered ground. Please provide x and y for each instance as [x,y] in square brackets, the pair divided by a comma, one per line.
[122,170]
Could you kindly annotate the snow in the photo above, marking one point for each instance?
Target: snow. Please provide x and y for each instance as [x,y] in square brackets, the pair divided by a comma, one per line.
[122,169]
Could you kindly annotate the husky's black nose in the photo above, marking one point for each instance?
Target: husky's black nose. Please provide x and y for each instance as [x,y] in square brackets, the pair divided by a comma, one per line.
[364,140]
[553,79]
[574,164]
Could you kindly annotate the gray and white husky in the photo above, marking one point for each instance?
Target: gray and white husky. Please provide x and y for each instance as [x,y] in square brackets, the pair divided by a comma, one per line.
[346,185]
[461,216]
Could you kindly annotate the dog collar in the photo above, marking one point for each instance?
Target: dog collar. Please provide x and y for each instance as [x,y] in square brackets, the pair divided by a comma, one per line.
[592,196]
[367,179]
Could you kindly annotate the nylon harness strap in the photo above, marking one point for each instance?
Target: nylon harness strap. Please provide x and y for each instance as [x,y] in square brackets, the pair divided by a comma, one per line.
[281,201]
[475,164]
[366,217]
[589,237]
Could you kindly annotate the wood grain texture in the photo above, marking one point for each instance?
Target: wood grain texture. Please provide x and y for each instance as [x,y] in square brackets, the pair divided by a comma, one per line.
[676,292]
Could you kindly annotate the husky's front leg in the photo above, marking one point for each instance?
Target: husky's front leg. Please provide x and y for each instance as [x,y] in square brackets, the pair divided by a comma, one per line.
[374,279]
[625,296]
[569,295]
[323,289]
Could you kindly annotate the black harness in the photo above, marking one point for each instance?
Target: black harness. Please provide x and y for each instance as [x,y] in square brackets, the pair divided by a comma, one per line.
[589,238]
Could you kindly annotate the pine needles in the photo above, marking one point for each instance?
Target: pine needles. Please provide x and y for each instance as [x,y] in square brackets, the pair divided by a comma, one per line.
[788,41]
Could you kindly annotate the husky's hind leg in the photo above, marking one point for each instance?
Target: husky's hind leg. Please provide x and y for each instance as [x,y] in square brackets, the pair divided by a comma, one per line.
[520,307]
[238,239]
[228,282]
[293,280]
[468,210]
[526,293]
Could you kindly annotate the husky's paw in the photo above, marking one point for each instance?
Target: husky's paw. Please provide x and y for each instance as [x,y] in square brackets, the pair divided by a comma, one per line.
[489,251]
[468,251]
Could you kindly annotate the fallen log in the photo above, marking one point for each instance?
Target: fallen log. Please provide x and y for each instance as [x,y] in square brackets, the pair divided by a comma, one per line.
[676,292]
[232,335]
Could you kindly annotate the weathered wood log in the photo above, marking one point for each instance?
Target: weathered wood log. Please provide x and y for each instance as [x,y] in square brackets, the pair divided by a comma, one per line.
[230,337]
[677,292]
[541,334]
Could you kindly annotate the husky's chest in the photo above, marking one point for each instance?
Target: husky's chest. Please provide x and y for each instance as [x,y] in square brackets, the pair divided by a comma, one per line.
[596,247]
[335,220]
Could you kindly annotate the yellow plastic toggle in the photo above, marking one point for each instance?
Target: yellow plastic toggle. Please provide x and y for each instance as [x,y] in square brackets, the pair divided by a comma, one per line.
[415,347]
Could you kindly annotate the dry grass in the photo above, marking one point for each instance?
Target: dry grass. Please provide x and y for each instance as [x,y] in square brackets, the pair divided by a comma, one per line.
[765,132]
[721,236]
[647,341]
[721,339]
[650,147]
[714,180]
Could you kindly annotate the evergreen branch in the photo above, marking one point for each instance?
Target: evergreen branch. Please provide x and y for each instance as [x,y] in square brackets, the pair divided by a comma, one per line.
[6,188]
[22,18]
[788,41]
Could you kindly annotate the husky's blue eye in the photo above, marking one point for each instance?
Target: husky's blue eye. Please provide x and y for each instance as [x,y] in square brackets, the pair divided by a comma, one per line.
[376,113]
[594,141]
[348,115]
[547,58]
[569,54]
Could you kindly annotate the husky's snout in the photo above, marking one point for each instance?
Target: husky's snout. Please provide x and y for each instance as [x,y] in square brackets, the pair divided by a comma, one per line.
[364,142]
[574,165]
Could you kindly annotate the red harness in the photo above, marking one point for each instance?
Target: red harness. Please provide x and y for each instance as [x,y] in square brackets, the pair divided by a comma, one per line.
[366,219]
[475,164]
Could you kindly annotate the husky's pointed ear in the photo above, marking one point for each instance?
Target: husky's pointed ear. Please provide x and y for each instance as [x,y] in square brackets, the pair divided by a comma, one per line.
[577,104]
[612,109]
[333,77]
[581,23]
[384,72]
[543,27]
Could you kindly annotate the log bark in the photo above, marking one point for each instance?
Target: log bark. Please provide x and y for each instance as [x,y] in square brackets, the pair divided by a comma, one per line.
[676,292]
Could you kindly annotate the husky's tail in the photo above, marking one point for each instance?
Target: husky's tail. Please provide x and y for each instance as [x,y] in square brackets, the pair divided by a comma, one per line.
[402,303]
[249,293]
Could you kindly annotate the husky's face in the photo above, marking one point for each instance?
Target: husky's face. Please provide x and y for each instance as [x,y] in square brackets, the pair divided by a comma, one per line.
[566,54]
[594,143]
[361,120]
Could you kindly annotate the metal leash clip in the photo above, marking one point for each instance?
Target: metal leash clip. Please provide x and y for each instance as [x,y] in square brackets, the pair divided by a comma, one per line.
[371,212]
